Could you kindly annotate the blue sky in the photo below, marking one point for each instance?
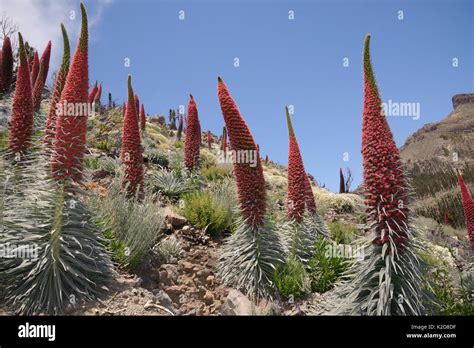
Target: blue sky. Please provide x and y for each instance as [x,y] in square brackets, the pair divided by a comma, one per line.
[282,62]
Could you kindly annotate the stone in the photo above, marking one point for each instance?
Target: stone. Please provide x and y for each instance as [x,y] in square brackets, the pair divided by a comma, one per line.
[175,220]
[210,280]
[236,303]
[168,274]
[175,291]
[163,299]
[208,298]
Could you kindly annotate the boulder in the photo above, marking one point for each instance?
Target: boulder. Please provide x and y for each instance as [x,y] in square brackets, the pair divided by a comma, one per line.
[175,220]
[237,303]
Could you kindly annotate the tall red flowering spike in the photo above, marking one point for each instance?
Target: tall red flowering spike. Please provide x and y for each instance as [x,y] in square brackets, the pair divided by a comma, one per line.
[45,58]
[266,158]
[224,140]
[71,131]
[468,207]
[6,65]
[50,129]
[209,139]
[92,93]
[309,197]
[384,180]
[22,115]
[98,95]
[142,117]
[192,136]
[249,178]
[137,104]
[35,68]
[38,88]
[342,185]
[296,176]
[131,154]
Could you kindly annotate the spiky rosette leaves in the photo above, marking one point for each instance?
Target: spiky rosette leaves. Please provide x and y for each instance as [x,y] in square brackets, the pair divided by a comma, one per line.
[131,154]
[296,175]
[35,68]
[21,128]
[45,58]
[180,127]
[92,93]
[58,255]
[384,180]
[249,258]
[468,207]
[38,89]
[192,137]
[385,281]
[142,118]
[249,177]
[6,66]
[50,129]
[299,237]
[71,126]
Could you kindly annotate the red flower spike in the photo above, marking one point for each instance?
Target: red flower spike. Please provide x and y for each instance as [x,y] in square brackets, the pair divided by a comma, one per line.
[249,179]
[131,154]
[142,117]
[468,207]
[192,137]
[296,176]
[45,58]
[224,140]
[35,68]
[92,94]
[384,180]
[50,129]
[137,104]
[38,88]
[71,130]
[22,115]
[6,64]
[98,94]
[309,197]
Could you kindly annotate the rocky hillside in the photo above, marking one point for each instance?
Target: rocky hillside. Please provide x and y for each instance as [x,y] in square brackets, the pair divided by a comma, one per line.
[433,152]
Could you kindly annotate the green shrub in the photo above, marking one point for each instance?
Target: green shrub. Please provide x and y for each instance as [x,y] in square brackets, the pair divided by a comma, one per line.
[216,173]
[131,226]
[325,269]
[92,162]
[342,233]
[292,280]
[178,144]
[3,140]
[205,213]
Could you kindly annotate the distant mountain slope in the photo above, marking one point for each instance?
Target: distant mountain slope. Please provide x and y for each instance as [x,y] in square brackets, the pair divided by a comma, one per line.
[433,152]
